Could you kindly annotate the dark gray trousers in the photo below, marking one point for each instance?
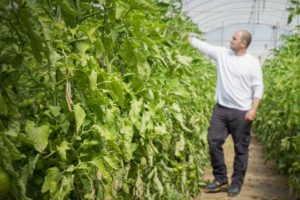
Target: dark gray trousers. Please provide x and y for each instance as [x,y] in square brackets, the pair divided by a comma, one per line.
[225,121]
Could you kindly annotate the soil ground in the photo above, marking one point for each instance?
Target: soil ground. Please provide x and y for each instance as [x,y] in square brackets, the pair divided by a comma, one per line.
[262,182]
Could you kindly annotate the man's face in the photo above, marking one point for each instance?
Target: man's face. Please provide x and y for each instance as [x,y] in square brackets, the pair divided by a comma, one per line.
[236,42]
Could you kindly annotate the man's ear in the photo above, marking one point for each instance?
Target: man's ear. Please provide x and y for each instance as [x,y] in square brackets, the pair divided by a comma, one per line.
[244,43]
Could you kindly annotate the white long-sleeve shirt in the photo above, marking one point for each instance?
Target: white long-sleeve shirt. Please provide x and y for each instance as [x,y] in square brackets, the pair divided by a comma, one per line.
[239,78]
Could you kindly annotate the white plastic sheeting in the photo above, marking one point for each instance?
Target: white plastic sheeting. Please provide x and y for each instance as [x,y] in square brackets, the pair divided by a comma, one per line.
[265,19]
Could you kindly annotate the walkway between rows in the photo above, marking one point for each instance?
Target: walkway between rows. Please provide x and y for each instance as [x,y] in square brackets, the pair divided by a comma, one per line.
[262,182]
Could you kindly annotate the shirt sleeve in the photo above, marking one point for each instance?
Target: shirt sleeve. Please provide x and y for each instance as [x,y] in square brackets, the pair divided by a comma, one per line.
[257,82]
[210,50]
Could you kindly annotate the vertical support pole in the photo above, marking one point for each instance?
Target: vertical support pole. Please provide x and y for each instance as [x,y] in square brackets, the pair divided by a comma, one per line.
[222,34]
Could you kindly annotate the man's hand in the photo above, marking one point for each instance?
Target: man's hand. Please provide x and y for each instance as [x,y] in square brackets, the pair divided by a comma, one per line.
[250,115]
[191,36]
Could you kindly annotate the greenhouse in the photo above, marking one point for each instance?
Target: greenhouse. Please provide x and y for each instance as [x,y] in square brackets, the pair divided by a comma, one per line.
[149,99]
[267,21]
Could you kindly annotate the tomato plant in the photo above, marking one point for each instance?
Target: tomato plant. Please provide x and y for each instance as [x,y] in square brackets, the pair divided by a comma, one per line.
[277,125]
[99,98]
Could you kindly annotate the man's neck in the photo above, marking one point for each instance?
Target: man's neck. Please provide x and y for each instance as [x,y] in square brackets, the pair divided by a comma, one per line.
[241,52]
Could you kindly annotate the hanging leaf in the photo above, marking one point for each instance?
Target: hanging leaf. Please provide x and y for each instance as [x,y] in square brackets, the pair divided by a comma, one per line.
[118,92]
[104,132]
[136,107]
[103,171]
[3,105]
[62,150]
[121,9]
[158,185]
[139,192]
[38,135]
[140,4]
[69,7]
[52,180]
[91,31]
[66,186]
[55,110]
[93,79]
[111,161]
[19,185]
[179,147]
[185,60]
[79,116]
[14,152]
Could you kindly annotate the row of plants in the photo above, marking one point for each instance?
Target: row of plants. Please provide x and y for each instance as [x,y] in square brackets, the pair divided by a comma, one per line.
[101,100]
[278,122]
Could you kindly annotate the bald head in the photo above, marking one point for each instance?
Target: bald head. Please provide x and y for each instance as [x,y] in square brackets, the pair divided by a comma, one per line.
[245,36]
[240,42]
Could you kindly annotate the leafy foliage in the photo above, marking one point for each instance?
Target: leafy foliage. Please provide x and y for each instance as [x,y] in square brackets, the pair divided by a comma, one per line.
[294,10]
[278,123]
[101,100]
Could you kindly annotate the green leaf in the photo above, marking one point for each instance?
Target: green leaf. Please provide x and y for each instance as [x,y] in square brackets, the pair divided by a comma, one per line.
[32,161]
[121,9]
[6,159]
[38,135]
[135,110]
[185,60]
[111,161]
[14,152]
[140,4]
[82,48]
[19,184]
[3,105]
[79,116]
[52,179]
[65,126]
[151,173]
[118,92]
[99,47]
[103,171]
[55,110]
[158,185]
[179,145]
[68,6]
[146,119]
[66,186]
[179,118]
[127,134]
[71,168]
[104,132]
[290,18]
[91,31]
[139,186]
[144,71]
[89,143]
[37,42]
[176,107]
[62,150]
[93,79]
[128,53]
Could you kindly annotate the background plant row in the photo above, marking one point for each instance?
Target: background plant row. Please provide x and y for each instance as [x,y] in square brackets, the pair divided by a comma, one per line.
[278,122]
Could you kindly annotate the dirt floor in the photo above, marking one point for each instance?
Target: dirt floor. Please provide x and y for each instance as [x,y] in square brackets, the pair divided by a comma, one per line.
[261,181]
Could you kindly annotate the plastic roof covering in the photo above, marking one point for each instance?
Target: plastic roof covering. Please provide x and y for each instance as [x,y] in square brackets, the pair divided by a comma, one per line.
[265,19]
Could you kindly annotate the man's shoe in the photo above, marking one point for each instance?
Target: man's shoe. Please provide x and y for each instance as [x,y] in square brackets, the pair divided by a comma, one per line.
[233,191]
[216,186]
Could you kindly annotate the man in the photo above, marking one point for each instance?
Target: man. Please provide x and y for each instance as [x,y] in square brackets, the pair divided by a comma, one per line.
[238,93]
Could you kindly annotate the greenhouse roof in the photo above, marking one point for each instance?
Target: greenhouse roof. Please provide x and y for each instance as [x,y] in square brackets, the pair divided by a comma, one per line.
[265,19]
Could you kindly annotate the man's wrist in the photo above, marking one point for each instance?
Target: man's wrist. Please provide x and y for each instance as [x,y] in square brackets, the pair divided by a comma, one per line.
[193,35]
